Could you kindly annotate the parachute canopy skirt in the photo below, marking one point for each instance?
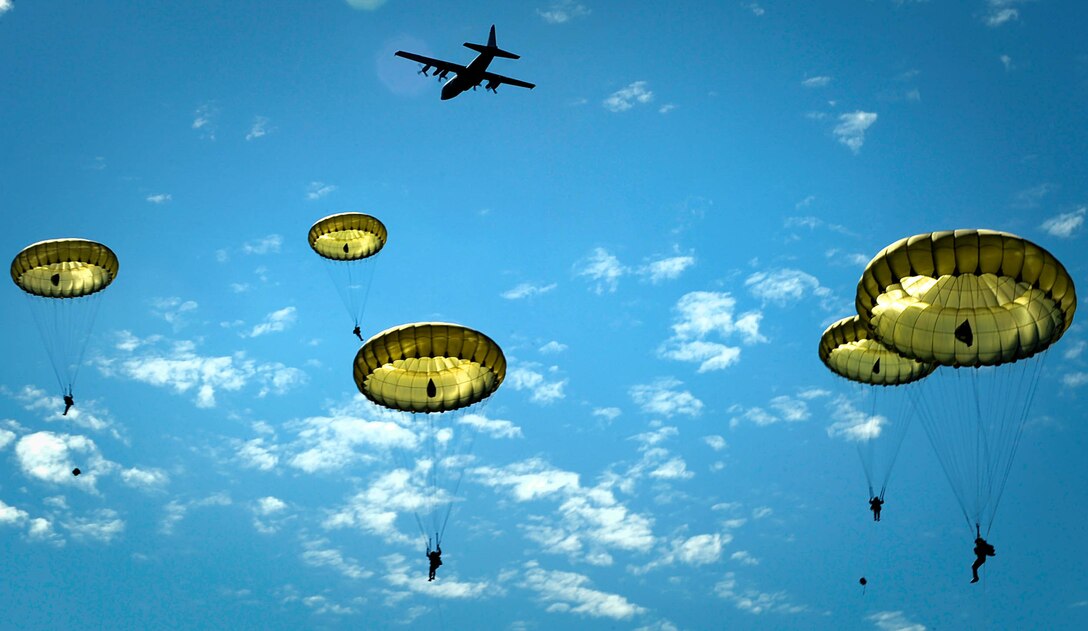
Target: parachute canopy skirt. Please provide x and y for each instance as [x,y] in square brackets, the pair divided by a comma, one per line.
[848,350]
[429,367]
[966,298]
[64,268]
[347,236]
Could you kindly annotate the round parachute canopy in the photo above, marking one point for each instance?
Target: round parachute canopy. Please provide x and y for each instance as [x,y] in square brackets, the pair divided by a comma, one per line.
[64,268]
[429,367]
[966,298]
[347,236]
[848,350]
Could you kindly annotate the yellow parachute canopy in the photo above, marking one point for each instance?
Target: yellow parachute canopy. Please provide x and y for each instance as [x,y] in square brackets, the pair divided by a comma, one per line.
[347,236]
[64,268]
[429,367]
[848,350]
[966,298]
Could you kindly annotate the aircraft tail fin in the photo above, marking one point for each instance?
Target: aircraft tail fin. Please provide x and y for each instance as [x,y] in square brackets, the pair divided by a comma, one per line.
[491,48]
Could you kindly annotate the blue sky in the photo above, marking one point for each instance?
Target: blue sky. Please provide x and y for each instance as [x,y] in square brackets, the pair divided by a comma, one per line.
[656,235]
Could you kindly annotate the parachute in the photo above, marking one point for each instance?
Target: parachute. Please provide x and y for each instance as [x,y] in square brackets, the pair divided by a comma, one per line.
[985,306]
[848,350]
[63,279]
[433,370]
[347,243]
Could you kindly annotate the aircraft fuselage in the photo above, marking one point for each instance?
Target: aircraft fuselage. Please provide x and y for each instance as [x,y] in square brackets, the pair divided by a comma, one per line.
[473,75]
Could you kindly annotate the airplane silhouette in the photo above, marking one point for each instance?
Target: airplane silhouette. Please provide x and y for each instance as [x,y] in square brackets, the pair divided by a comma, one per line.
[472,75]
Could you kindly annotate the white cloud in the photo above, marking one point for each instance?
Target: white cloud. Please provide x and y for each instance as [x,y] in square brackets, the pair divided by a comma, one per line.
[375,508]
[51,457]
[785,286]
[365,5]
[667,268]
[176,510]
[255,454]
[160,198]
[331,443]
[744,558]
[275,322]
[1075,379]
[494,428]
[1006,61]
[852,424]
[527,290]
[851,128]
[317,190]
[609,413]
[784,408]
[258,129]
[5,6]
[170,309]
[817,82]
[181,368]
[317,553]
[674,469]
[717,443]
[602,268]
[664,397]
[543,391]
[754,601]
[700,314]
[270,505]
[204,120]
[400,574]
[999,12]
[626,98]
[894,621]
[552,347]
[6,437]
[265,245]
[102,525]
[144,478]
[9,515]
[1073,350]
[563,11]
[755,8]
[1065,224]
[760,512]
[569,592]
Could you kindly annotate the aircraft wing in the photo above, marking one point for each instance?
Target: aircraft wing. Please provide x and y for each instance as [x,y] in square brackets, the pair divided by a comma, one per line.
[437,64]
[496,79]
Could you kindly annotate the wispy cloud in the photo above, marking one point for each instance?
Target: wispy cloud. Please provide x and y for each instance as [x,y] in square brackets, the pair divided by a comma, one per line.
[365,5]
[317,190]
[782,408]
[543,389]
[621,100]
[527,290]
[666,269]
[265,245]
[602,269]
[563,11]
[754,601]
[702,314]
[569,592]
[817,82]
[755,8]
[1065,224]
[178,366]
[999,12]
[553,347]
[204,120]
[665,397]
[160,198]
[259,128]
[786,286]
[852,424]
[894,621]
[275,322]
[852,127]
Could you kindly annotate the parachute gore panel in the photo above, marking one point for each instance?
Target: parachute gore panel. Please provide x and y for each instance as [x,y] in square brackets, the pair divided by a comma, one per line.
[64,268]
[848,350]
[347,236]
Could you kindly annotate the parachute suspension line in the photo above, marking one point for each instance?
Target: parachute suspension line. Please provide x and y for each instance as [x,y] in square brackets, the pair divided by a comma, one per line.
[65,326]
[460,477]
[1036,370]
[932,429]
[904,415]
[866,447]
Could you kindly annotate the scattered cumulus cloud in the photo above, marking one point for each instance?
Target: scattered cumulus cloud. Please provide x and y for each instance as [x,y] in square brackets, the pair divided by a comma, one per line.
[602,269]
[817,82]
[51,457]
[5,6]
[563,11]
[1075,379]
[894,621]
[754,601]
[317,190]
[666,268]
[785,286]
[1065,224]
[717,443]
[259,128]
[999,12]
[159,198]
[626,98]
[204,120]
[543,389]
[755,8]
[852,424]
[275,322]
[704,314]
[852,127]
[527,290]
[1006,61]
[664,397]
[552,348]
[609,414]
[569,592]
[782,408]
[265,245]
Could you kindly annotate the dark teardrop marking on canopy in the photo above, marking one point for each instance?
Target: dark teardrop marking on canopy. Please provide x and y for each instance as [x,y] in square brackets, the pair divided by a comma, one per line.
[346,250]
[876,367]
[55,279]
[76,471]
[432,391]
[964,334]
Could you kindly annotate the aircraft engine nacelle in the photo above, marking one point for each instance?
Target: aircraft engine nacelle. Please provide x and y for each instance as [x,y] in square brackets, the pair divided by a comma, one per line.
[442,75]
[492,86]
[423,71]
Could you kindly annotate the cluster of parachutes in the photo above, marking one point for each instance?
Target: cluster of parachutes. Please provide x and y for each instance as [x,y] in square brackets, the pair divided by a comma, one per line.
[425,368]
[961,321]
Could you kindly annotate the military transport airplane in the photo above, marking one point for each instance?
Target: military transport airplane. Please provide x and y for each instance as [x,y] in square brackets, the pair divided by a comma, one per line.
[472,75]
